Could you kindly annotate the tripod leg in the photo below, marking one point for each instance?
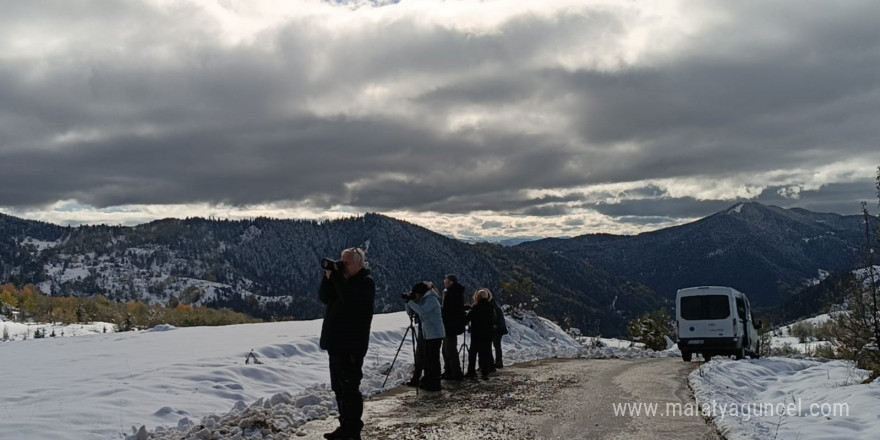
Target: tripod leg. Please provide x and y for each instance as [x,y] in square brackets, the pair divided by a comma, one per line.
[413,338]
[395,356]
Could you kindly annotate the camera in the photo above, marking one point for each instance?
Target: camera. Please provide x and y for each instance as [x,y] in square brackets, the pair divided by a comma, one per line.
[328,264]
[407,296]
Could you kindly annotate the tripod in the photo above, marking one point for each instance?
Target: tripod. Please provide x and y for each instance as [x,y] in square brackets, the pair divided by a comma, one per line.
[413,339]
[464,350]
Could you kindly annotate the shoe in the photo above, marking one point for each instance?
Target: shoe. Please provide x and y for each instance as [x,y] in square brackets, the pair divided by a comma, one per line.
[413,382]
[492,370]
[499,365]
[444,376]
[485,377]
[337,434]
[455,377]
[470,375]
[430,387]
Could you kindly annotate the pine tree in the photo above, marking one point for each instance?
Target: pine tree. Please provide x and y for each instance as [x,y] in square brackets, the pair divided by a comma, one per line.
[652,329]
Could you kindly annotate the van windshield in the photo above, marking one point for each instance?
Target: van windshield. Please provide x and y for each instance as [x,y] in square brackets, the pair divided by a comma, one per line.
[705,307]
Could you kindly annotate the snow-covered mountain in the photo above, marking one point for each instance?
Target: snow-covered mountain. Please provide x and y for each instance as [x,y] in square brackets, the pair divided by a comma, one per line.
[269,268]
[766,251]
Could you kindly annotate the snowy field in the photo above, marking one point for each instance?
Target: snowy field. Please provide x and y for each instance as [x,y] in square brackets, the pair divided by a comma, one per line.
[171,381]
[16,331]
[782,337]
[798,398]
[785,398]
[192,383]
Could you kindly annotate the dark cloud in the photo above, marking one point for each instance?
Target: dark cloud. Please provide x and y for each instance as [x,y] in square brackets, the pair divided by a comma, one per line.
[662,208]
[841,198]
[837,198]
[133,103]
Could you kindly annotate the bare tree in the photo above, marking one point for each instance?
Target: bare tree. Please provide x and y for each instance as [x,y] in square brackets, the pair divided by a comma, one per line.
[856,329]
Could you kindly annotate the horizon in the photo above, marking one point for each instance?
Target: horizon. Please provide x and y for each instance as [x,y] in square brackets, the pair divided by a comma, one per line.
[507,241]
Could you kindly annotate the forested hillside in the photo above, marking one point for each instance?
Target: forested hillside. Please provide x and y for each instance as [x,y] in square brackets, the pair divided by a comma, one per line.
[768,252]
[269,268]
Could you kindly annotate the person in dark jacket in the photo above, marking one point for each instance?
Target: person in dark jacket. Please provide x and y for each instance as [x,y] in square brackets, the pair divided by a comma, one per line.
[481,318]
[453,322]
[423,299]
[349,292]
[500,329]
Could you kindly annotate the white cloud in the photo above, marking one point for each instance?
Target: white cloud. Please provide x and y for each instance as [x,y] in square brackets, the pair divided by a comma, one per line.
[528,113]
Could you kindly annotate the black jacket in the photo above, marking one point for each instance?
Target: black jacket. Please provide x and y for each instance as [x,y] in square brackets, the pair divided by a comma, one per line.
[349,312]
[500,323]
[453,310]
[482,320]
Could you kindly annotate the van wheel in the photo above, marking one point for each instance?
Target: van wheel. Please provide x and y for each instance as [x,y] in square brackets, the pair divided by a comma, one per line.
[686,356]
[741,353]
[707,357]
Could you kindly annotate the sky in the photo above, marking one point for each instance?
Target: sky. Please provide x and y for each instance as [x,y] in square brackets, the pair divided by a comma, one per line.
[476,119]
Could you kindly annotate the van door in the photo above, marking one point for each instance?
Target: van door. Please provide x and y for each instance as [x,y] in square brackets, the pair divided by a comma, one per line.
[704,316]
[743,322]
[754,338]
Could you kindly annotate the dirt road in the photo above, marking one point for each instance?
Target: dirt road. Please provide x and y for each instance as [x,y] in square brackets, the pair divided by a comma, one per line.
[551,399]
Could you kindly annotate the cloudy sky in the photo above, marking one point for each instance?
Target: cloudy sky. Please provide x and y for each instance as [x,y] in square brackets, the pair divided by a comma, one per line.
[476,119]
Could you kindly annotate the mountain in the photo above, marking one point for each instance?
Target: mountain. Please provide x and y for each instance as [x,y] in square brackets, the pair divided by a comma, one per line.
[770,253]
[269,268]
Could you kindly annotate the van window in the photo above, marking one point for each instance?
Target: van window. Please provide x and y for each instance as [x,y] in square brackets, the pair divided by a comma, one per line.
[741,309]
[705,307]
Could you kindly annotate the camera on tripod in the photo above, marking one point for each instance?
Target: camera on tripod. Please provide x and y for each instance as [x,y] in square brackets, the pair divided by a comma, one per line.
[332,265]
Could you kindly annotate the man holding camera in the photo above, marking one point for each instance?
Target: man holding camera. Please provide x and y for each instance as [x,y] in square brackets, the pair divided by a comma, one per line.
[348,291]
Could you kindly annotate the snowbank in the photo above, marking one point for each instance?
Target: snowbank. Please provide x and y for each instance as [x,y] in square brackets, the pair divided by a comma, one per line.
[787,398]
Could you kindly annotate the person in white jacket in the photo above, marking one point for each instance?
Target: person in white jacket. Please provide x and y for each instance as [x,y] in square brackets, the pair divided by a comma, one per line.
[424,300]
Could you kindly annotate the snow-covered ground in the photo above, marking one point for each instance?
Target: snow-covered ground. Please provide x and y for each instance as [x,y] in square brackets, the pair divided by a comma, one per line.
[191,383]
[798,398]
[782,339]
[172,380]
[17,331]
[787,398]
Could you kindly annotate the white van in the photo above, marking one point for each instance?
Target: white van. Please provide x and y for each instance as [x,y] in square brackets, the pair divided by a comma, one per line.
[715,321]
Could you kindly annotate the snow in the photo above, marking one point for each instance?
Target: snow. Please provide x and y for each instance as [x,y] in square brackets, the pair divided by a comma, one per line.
[787,398]
[40,245]
[187,383]
[17,331]
[782,336]
[175,380]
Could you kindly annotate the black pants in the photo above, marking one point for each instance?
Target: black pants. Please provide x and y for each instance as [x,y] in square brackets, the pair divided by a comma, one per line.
[432,363]
[419,361]
[452,366]
[496,342]
[483,348]
[345,381]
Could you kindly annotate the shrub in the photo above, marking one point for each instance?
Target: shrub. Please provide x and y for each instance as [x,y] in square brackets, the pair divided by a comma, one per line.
[652,329]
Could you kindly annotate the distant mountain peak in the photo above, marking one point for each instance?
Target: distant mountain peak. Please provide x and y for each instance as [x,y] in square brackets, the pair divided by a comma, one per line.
[766,251]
